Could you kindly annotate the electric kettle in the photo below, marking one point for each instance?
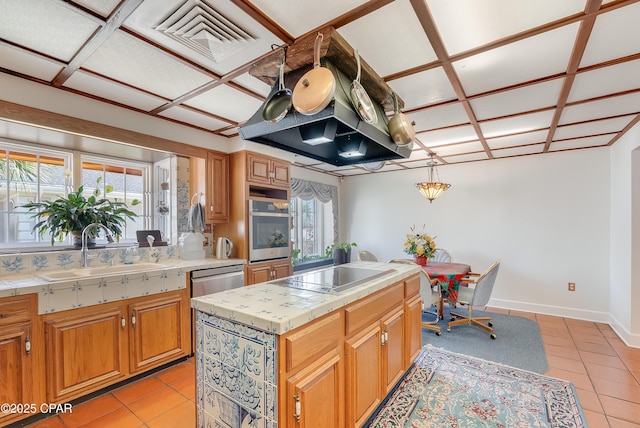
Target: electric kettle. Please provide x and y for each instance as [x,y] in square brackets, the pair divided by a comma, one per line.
[223,248]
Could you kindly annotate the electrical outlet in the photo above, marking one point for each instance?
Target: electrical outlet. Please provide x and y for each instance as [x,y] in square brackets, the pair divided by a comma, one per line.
[572,286]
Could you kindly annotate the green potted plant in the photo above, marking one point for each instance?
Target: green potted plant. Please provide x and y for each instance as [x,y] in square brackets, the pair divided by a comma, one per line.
[71,214]
[341,253]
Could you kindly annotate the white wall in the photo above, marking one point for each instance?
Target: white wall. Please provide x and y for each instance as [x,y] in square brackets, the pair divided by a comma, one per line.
[625,237]
[546,217]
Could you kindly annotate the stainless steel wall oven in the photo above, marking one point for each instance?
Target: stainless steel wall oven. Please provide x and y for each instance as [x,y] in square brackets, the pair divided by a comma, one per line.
[269,229]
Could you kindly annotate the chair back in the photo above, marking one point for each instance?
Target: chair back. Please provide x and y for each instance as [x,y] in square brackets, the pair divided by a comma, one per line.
[429,293]
[366,256]
[441,255]
[484,285]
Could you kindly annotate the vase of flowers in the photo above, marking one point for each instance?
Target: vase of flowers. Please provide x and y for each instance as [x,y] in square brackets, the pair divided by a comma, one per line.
[420,245]
[71,214]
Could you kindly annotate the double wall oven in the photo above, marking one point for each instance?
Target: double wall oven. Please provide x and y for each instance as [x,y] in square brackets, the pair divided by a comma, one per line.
[269,229]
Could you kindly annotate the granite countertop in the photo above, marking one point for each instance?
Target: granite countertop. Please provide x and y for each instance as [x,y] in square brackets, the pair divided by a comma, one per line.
[278,309]
[32,282]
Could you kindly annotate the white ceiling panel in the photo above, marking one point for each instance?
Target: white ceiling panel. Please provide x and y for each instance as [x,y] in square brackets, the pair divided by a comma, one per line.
[607,80]
[620,105]
[225,101]
[109,90]
[45,26]
[423,89]
[439,117]
[518,139]
[606,126]
[519,151]
[516,124]
[439,137]
[27,63]
[578,143]
[528,98]
[188,116]
[300,17]
[419,154]
[473,23]
[103,8]
[615,34]
[518,61]
[124,58]
[253,84]
[456,149]
[380,35]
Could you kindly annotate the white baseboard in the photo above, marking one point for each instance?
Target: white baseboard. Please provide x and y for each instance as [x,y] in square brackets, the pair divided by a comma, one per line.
[630,339]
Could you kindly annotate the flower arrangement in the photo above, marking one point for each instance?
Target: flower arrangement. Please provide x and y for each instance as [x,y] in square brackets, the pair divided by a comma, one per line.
[419,243]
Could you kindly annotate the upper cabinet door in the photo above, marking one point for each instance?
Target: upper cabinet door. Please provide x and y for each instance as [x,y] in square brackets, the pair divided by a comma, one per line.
[268,171]
[217,210]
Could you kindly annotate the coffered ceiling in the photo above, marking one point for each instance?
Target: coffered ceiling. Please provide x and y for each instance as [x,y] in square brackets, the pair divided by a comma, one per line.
[482,79]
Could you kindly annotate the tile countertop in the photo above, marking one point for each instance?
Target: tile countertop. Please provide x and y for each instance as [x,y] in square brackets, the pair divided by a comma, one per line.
[25,283]
[279,309]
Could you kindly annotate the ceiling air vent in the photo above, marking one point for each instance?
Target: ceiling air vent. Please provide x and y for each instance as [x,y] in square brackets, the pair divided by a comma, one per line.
[199,26]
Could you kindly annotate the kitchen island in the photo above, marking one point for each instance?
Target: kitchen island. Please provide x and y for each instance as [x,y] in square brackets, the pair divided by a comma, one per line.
[320,349]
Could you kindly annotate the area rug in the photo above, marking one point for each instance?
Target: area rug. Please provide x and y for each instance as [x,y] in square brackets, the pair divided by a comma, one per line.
[518,342]
[445,389]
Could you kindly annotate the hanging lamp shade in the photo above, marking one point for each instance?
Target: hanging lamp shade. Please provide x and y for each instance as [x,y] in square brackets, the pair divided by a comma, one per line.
[433,188]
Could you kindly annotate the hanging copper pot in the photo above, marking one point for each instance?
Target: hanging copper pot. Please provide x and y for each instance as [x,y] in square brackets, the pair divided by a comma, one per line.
[315,89]
[400,127]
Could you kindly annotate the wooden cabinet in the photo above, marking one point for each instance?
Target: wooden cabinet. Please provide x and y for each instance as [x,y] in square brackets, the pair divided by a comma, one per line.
[217,188]
[90,348]
[267,171]
[85,351]
[159,331]
[267,271]
[21,352]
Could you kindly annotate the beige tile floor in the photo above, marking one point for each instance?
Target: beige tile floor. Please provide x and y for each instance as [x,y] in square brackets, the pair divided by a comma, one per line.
[604,371]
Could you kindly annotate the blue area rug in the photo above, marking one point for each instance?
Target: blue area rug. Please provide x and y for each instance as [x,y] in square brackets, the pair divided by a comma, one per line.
[518,343]
[445,389]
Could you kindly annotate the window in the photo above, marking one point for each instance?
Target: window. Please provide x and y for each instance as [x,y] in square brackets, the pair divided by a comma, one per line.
[123,182]
[27,174]
[312,208]
[41,174]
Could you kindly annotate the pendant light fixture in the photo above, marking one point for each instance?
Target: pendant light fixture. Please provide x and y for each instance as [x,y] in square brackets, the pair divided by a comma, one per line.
[432,188]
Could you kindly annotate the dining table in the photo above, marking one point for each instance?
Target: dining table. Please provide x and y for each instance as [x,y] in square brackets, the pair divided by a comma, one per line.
[449,276]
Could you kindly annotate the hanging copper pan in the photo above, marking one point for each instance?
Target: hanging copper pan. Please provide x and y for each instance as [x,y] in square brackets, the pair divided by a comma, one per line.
[400,127]
[315,89]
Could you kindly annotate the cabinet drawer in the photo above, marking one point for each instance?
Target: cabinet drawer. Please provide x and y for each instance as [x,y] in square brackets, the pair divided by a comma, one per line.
[309,342]
[412,286]
[370,309]
[15,310]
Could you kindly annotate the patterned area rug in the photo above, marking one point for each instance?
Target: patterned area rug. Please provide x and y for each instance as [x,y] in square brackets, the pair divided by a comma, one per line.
[444,389]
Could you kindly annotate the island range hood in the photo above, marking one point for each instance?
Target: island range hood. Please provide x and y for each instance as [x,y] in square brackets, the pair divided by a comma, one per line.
[336,135]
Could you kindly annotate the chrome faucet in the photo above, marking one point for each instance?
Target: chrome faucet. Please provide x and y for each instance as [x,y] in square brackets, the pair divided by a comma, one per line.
[84,255]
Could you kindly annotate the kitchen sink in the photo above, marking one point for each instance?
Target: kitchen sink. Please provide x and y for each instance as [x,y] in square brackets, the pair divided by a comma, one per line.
[72,274]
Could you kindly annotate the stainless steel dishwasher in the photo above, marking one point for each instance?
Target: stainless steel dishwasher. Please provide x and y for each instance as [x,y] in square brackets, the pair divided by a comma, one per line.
[214,280]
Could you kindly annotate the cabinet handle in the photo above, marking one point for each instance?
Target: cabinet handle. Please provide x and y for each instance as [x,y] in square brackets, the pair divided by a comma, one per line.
[298,406]
[4,315]
[133,320]
[123,321]
[382,338]
[385,337]
[27,345]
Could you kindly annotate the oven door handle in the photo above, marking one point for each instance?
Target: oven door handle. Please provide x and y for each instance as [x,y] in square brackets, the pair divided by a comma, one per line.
[261,214]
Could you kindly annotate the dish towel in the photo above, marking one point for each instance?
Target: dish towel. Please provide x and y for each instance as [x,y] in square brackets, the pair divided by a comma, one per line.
[195,218]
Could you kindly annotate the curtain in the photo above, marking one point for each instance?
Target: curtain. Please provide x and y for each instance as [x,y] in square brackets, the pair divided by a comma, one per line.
[307,190]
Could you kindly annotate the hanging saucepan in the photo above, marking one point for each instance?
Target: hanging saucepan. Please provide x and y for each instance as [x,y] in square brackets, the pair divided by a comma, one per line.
[400,127]
[279,103]
[360,99]
[315,89]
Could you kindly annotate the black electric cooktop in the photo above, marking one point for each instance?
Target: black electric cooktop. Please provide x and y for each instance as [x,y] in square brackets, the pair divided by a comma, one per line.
[332,280]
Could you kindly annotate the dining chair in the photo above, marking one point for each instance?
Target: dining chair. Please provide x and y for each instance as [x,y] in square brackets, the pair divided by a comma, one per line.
[441,255]
[429,294]
[366,256]
[476,294]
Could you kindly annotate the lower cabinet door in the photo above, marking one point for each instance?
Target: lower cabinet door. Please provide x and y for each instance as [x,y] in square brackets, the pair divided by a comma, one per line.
[363,366]
[84,352]
[413,330]
[159,330]
[16,374]
[314,397]
[393,349]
